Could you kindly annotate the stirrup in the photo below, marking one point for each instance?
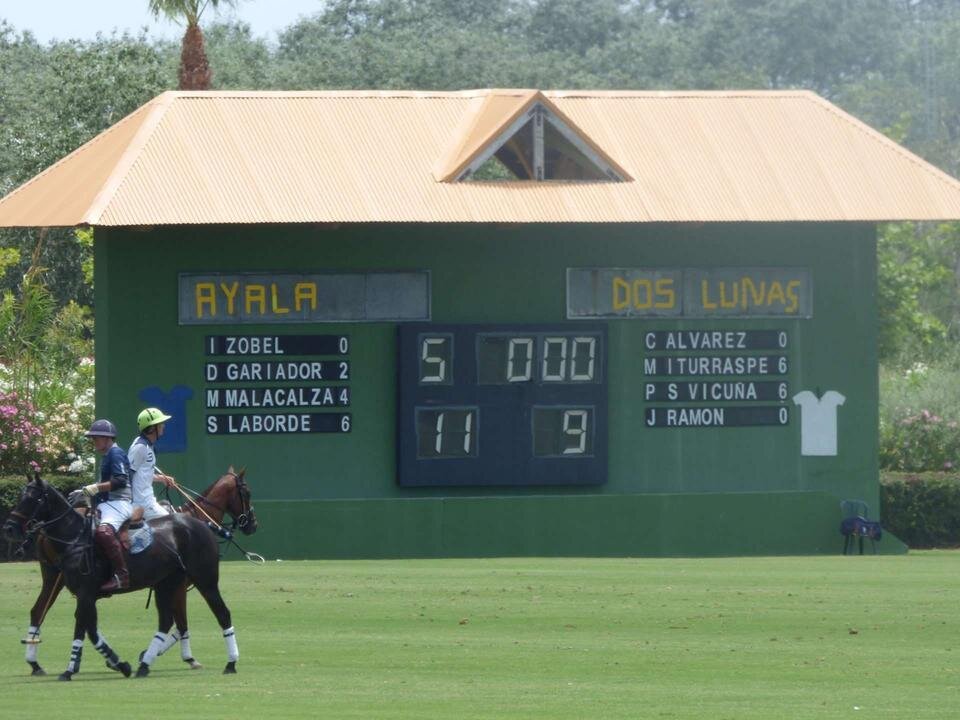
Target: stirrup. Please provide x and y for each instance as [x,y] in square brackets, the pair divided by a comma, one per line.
[114,584]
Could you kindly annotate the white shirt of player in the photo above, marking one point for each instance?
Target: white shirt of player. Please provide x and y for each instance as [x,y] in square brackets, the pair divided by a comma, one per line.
[143,464]
[818,422]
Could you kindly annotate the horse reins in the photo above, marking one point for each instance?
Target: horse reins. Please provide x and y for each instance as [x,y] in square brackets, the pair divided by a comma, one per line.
[219,528]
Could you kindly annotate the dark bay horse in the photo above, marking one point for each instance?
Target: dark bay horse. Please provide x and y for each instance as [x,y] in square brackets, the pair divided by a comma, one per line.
[184,550]
[229,494]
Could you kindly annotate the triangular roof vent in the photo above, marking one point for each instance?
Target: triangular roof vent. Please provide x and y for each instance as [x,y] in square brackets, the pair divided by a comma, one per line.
[522,135]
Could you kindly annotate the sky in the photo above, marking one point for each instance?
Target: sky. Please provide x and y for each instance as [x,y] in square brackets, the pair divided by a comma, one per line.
[62,19]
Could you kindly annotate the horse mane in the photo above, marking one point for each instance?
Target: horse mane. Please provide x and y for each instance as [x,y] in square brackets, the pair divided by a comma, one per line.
[50,490]
[212,485]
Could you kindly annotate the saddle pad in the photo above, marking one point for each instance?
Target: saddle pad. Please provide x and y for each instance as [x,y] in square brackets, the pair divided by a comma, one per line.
[140,539]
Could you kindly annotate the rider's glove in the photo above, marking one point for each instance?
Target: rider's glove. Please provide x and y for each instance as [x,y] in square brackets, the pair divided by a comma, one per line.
[91,489]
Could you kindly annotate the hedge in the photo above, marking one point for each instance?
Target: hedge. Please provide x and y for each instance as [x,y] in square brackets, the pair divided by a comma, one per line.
[10,490]
[922,509]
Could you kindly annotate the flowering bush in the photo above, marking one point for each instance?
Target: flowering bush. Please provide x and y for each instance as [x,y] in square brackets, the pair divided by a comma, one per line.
[920,416]
[46,379]
[44,440]
[919,441]
[21,445]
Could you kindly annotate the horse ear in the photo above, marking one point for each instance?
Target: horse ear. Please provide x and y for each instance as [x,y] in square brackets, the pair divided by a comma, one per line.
[230,470]
[242,472]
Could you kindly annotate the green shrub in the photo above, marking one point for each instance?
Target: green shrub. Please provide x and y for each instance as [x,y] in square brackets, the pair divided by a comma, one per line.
[922,510]
[10,491]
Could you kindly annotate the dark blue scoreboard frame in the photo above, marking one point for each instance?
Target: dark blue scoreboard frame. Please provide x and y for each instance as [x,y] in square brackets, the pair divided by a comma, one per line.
[486,405]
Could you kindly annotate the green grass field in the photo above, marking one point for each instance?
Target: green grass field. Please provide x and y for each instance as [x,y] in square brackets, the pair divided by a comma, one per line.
[771,638]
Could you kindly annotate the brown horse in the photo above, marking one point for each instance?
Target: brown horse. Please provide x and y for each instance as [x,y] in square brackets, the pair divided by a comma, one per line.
[230,494]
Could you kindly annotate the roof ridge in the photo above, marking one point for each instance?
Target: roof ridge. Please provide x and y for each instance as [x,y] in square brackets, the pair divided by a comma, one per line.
[101,200]
[905,153]
[484,92]
[95,140]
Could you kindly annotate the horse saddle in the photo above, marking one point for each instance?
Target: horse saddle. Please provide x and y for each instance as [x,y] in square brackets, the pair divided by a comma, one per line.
[136,539]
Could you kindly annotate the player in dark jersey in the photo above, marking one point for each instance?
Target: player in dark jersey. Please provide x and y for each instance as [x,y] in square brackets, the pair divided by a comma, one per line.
[115,500]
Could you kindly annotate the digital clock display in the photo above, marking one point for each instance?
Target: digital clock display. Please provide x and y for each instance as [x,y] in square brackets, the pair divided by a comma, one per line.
[502,404]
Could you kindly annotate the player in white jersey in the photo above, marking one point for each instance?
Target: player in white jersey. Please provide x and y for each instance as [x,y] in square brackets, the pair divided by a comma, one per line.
[143,463]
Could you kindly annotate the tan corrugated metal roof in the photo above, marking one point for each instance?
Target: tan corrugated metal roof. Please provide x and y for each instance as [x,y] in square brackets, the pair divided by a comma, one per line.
[288,157]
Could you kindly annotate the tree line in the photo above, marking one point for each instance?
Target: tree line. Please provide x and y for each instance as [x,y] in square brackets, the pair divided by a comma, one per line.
[895,64]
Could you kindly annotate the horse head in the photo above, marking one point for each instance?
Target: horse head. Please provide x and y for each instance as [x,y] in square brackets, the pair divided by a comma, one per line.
[32,507]
[231,494]
[240,504]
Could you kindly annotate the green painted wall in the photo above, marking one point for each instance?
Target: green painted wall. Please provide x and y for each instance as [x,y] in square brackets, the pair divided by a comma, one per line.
[669,491]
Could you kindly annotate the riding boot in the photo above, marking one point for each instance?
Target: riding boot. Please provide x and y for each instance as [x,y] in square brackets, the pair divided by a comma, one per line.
[110,546]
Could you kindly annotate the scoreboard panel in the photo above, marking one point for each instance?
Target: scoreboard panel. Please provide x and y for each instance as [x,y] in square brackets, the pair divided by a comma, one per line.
[490,405]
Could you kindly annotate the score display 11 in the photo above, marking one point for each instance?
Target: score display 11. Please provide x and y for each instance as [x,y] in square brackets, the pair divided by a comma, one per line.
[502,404]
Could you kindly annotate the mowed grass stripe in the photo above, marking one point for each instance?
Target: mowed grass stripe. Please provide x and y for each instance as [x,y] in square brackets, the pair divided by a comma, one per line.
[821,637]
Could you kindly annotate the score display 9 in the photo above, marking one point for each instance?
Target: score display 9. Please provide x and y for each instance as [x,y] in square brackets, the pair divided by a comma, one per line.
[502,404]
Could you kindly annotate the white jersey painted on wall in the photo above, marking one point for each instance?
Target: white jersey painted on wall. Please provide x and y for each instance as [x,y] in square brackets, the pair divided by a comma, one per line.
[818,422]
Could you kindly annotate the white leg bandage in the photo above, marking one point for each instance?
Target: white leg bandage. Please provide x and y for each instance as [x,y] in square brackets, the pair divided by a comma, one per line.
[76,653]
[185,652]
[104,649]
[32,640]
[230,637]
[169,642]
[151,654]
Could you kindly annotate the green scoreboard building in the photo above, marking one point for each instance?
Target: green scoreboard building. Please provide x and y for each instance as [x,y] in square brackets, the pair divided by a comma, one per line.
[499,322]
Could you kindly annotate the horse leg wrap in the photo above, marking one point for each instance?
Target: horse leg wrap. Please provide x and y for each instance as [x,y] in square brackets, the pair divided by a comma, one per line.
[104,649]
[168,642]
[230,638]
[151,654]
[31,641]
[185,652]
[76,654]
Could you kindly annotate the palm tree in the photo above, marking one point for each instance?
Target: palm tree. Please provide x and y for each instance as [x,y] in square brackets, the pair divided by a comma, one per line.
[194,68]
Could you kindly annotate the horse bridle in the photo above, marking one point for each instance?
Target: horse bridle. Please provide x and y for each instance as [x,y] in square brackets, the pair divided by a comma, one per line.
[243,518]
[29,526]
[246,507]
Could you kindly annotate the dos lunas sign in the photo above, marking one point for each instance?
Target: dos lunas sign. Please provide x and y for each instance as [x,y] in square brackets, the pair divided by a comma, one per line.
[689,292]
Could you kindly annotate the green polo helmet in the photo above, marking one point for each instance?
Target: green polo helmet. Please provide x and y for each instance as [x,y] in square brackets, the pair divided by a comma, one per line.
[151,416]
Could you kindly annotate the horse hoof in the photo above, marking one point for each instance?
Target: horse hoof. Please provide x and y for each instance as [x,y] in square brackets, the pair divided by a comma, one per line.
[231,668]
[37,671]
[125,668]
[194,665]
[65,675]
[143,670]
